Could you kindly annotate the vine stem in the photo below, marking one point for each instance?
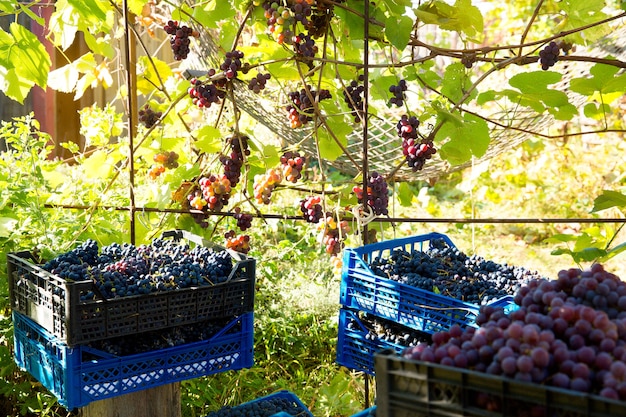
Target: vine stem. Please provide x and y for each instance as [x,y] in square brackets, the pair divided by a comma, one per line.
[528,26]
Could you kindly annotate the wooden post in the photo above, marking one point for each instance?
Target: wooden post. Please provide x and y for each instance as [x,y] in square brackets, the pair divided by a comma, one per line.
[161,401]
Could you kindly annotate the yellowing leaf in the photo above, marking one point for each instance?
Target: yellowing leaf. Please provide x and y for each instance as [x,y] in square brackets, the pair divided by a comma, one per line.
[97,165]
[63,79]
[209,139]
[151,74]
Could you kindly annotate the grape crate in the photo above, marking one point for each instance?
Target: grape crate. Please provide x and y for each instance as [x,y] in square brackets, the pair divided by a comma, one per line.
[85,295]
[426,283]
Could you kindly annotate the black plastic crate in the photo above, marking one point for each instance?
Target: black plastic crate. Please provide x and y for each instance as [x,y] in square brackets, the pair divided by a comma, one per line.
[408,388]
[55,303]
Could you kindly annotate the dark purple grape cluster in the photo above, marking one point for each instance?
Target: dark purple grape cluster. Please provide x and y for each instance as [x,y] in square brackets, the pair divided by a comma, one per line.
[149,117]
[244,220]
[468,59]
[234,161]
[549,55]
[257,83]
[415,151]
[353,96]
[262,407]
[159,339]
[398,93]
[304,46]
[292,164]
[302,10]
[301,110]
[386,331]
[311,208]
[232,63]
[448,271]
[203,94]
[377,194]
[179,38]
[569,333]
[126,270]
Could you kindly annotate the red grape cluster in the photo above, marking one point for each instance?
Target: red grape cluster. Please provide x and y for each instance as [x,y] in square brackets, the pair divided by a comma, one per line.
[549,55]
[264,185]
[234,161]
[335,232]
[279,20]
[377,194]
[257,83]
[569,333]
[312,209]
[292,164]
[301,110]
[149,117]
[179,38]
[398,93]
[415,151]
[238,243]
[353,96]
[244,221]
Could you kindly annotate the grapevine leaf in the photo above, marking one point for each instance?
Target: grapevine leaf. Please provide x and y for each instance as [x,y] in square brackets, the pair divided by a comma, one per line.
[182,13]
[211,13]
[580,13]
[462,17]
[7,226]
[456,82]
[467,140]
[136,6]
[328,147]
[149,75]
[30,58]
[398,30]
[228,31]
[613,252]
[89,10]
[561,238]
[100,45]
[380,86]
[597,111]
[608,199]
[209,139]
[14,86]
[534,81]
[64,24]
[353,25]
[603,80]
[396,7]
[405,194]
[97,165]
[63,79]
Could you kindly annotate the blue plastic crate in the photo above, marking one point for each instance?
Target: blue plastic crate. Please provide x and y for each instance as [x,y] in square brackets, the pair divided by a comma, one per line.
[80,375]
[288,403]
[356,351]
[368,412]
[410,306]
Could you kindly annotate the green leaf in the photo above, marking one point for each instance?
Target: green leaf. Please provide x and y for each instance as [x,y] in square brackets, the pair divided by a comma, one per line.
[228,31]
[456,82]
[581,13]
[607,200]
[136,6]
[63,79]
[398,30]
[405,194]
[597,111]
[7,226]
[471,138]
[209,139]
[151,73]
[213,12]
[462,17]
[534,81]
[90,10]
[603,80]
[613,252]
[396,7]
[14,86]
[353,25]
[329,148]
[561,238]
[30,58]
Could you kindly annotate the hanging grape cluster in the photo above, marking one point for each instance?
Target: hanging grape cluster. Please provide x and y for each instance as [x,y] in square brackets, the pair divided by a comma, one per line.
[353,96]
[416,151]
[233,162]
[179,38]
[149,117]
[292,164]
[301,109]
[377,194]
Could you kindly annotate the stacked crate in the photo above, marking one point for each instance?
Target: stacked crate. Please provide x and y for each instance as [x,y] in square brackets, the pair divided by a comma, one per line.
[364,292]
[54,328]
